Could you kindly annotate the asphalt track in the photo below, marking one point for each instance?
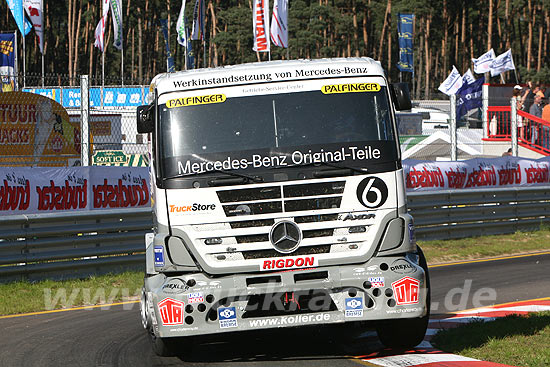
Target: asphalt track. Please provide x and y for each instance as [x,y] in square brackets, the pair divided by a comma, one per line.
[114,337]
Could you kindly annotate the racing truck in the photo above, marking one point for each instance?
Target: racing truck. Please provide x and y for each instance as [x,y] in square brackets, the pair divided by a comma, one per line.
[279,202]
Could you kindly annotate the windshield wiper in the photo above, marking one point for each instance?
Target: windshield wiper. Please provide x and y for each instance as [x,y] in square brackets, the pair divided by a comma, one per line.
[237,177]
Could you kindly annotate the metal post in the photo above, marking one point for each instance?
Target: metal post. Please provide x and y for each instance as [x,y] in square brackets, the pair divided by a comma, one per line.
[514,126]
[452,127]
[24,70]
[485,107]
[84,114]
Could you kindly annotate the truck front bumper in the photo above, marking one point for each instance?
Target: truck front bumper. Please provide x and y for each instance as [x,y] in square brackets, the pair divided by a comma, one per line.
[196,304]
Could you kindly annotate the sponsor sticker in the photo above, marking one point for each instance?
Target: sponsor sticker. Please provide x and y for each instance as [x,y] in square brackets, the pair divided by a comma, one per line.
[350,88]
[294,262]
[159,255]
[227,317]
[171,311]
[402,266]
[405,291]
[195,208]
[376,282]
[175,286]
[354,307]
[193,101]
[196,297]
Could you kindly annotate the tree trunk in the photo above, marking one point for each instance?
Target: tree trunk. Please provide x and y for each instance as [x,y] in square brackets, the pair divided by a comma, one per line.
[140,52]
[389,38]
[490,26]
[70,40]
[445,36]
[530,36]
[539,56]
[214,32]
[463,39]
[355,29]
[427,53]
[76,38]
[382,36]
[507,19]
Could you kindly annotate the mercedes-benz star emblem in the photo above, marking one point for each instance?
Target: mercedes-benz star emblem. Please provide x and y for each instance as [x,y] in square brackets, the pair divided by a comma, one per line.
[285,236]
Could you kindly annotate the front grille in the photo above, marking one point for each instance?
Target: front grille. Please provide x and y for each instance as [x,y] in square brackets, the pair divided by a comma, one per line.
[281,199]
[309,250]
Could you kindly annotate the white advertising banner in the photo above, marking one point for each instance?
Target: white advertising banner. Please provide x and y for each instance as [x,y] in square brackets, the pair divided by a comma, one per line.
[476,173]
[36,190]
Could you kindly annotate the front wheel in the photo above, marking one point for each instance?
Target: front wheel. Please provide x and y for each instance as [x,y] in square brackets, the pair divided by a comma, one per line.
[163,347]
[407,333]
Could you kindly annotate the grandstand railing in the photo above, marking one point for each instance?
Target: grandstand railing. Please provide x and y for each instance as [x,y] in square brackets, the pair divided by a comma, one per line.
[533,132]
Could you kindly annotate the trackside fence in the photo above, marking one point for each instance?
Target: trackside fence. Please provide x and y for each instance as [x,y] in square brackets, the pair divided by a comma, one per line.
[39,246]
[35,247]
[451,214]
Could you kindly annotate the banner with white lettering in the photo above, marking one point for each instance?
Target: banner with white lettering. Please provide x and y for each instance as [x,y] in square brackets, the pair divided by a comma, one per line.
[476,173]
[25,190]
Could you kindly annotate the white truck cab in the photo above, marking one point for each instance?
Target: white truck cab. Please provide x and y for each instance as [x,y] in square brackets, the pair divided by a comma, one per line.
[279,201]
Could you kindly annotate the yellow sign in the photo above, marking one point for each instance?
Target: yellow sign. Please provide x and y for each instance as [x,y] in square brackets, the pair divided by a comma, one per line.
[193,101]
[351,88]
[35,130]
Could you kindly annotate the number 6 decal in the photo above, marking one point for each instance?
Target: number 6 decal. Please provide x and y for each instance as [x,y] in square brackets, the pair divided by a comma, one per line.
[372,192]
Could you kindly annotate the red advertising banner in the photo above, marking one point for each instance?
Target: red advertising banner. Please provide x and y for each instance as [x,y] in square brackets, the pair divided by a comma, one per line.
[28,190]
[476,173]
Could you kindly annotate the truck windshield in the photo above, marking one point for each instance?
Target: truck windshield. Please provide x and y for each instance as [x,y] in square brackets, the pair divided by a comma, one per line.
[218,131]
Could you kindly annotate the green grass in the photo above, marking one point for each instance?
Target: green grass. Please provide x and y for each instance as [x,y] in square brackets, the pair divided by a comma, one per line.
[22,297]
[487,246]
[513,340]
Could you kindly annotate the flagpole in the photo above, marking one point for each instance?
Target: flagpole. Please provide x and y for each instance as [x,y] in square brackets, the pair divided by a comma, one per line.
[42,39]
[122,59]
[24,71]
[16,67]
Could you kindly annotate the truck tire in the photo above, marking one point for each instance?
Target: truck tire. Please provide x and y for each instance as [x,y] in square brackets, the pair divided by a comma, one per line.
[406,333]
[163,347]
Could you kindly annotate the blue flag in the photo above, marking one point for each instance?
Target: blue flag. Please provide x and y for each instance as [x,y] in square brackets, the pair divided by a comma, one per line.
[7,61]
[164,26]
[190,56]
[468,97]
[16,7]
[405,33]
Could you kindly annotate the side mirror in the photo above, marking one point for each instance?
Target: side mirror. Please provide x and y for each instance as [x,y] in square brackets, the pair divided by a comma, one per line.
[145,119]
[400,95]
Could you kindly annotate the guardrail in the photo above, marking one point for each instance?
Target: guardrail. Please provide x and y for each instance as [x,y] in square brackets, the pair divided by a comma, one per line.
[450,214]
[62,245]
[65,245]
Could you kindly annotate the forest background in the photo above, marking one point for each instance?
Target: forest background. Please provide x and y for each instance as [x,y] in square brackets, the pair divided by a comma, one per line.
[446,33]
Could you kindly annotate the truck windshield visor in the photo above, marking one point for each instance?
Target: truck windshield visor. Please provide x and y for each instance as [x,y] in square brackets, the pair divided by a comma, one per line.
[255,127]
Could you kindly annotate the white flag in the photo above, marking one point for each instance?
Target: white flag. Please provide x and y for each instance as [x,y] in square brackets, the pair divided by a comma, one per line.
[483,63]
[100,34]
[468,77]
[100,28]
[180,26]
[260,23]
[502,63]
[452,84]
[116,7]
[34,11]
[279,24]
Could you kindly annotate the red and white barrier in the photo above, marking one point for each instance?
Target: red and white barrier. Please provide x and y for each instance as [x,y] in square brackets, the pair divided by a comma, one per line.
[25,190]
[476,173]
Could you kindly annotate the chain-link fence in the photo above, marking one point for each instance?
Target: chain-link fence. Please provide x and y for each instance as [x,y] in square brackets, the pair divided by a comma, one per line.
[43,127]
